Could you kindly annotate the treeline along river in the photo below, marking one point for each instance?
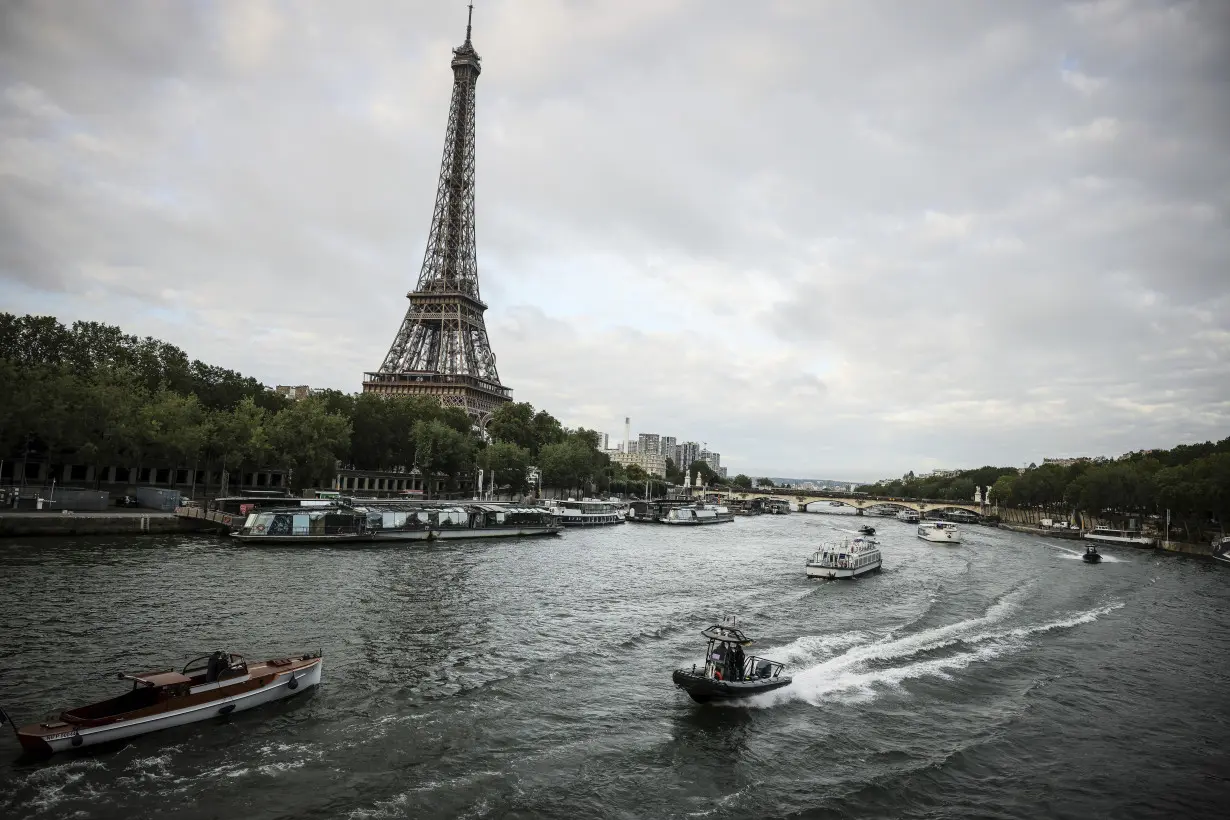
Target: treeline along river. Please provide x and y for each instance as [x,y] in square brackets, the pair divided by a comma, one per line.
[999,678]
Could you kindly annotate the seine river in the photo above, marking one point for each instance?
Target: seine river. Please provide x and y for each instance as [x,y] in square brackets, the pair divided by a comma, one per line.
[999,678]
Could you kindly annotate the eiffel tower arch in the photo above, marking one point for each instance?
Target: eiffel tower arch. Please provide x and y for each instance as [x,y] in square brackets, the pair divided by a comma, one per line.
[441,348]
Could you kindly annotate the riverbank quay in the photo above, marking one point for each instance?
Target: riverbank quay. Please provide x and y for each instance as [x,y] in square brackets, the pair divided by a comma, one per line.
[115,522]
[1047,532]
[1074,535]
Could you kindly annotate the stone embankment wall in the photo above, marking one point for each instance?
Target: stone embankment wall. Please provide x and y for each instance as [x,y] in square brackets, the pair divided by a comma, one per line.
[14,525]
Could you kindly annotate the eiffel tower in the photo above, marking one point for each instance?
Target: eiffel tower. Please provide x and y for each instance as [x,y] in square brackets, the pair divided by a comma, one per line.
[442,349]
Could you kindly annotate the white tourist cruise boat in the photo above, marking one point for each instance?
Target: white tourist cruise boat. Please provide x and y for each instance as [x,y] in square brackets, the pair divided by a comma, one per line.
[844,559]
[1112,536]
[941,531]
[909,516]
[588,512]
[698,514]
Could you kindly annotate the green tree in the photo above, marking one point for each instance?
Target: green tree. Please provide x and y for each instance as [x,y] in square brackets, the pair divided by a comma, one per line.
[508,465]
[440,449]
[1001,490]
[309,441]
[742,481]
[765,482]
[238,436]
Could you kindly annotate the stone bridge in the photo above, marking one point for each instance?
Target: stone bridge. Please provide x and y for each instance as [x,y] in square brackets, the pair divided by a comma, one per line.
[805,499]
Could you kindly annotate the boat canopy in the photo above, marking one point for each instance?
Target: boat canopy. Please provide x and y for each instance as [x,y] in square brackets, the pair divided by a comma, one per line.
[725,634]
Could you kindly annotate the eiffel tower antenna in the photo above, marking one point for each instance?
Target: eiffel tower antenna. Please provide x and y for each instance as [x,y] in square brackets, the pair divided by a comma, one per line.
[441,348]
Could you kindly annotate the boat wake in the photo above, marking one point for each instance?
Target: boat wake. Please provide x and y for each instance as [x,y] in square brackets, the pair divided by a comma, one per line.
[1068,552]
[866,668]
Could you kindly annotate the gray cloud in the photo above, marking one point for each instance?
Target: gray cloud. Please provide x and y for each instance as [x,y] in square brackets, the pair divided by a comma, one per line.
[848,238]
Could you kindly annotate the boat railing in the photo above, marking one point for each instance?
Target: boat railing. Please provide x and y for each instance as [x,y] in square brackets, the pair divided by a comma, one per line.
[757,668]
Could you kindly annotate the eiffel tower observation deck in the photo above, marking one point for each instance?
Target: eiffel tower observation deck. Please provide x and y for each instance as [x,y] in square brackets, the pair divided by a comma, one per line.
[441,349]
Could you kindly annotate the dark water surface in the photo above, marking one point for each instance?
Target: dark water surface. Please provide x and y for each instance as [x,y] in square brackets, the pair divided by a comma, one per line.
[999,678]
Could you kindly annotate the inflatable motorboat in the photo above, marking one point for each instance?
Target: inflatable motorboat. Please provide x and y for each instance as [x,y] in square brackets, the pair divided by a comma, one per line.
[867,529]
[727,671]
[1091,556]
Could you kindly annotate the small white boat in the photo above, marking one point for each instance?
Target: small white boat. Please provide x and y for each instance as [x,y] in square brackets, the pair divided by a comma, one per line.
[698,514]
[1221,550]
[909,516]
[844,559]
[1112,536]
[208,687]
[941,531]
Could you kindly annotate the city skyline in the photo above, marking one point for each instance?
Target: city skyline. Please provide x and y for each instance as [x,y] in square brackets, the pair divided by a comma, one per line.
[853,240]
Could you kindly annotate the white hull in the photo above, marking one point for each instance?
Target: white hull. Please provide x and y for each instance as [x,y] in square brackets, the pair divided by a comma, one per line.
[277,689]
[592,520]
[465,533]
[821,571]
[697,521]
[944,536]
[1136,541]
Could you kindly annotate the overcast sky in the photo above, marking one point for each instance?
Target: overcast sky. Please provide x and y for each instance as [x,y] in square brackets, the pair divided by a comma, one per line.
[838,239]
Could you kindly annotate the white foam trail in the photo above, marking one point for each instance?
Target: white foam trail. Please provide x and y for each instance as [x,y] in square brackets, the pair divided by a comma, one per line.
[1073,553]
[846,673]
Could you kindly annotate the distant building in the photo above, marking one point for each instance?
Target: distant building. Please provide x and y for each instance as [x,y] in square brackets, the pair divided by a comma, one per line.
[940,474]
[722,472]
[295,393]
[1064,462]
[714,460]
[604,441]
[630,447]
[689,452]
[649,443]
[667,448]
[652,463]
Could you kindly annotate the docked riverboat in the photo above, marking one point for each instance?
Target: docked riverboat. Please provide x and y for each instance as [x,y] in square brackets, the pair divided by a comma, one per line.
[909,516]
[210,686]
[698,514]
[299,525]
[846,559]
[588,512]
[939,531]
[1107,535]
[728,673]
[492,521]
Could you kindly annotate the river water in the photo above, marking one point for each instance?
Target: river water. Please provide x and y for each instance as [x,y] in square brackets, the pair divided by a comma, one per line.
[999,678]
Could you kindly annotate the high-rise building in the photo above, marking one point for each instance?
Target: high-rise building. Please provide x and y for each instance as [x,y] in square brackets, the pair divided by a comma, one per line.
[649,443]
[714,460]
[630,446]
[604,441]
[441,349]
[689,452]
[666,446]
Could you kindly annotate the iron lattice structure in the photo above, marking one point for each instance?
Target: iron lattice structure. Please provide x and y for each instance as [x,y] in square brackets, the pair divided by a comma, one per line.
[442,348]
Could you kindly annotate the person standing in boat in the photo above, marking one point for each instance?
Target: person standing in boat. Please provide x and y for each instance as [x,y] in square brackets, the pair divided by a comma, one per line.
[737,661]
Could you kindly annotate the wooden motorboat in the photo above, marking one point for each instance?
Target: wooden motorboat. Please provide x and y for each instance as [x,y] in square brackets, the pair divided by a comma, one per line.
[209,686]
[727,672]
